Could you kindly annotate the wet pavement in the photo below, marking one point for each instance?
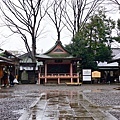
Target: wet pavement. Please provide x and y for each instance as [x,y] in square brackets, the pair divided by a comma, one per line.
[65,106]
[38,102]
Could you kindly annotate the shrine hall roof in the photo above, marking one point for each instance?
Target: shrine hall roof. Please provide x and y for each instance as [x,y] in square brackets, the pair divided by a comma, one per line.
[57,51]
[49,57]
[58,45]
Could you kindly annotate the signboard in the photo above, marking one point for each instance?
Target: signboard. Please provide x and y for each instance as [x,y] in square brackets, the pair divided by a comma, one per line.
[96,74]
[86,78]
[86,71]
[86,74]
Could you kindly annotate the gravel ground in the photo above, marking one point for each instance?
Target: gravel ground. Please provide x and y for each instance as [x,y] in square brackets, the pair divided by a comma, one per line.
[14,100]
[109,100]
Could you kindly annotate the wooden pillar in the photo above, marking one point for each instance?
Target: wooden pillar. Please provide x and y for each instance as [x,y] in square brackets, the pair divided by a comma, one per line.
[1,74]
[58,80]
[119,71]
[78,78]
[71,72]
[39,78]
[45,73]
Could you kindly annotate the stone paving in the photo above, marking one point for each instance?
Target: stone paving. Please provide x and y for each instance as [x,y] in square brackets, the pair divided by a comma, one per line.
[65,106]
[38,102]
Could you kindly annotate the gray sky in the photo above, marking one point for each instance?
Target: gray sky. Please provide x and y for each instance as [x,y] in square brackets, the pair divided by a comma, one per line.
[47,39]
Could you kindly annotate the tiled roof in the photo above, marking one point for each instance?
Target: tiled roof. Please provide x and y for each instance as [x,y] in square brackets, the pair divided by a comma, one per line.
[58,42]
[57,51]
[116,57]
[115,51]
[105,64]
[43,56]
[47,56]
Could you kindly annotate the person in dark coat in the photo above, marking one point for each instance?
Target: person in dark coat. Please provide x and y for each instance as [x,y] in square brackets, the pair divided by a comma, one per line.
[5,79]
[11,78]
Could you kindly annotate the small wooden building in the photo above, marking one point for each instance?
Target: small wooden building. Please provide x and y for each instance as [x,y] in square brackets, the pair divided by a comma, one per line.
[117,59]
[27,73]
[58,66]
[4,62]
[8,61]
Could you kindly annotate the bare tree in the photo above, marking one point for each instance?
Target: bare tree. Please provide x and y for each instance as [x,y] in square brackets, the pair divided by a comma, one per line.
[56,15]
[2,43]
[81,11]
[24,17]
[115,2]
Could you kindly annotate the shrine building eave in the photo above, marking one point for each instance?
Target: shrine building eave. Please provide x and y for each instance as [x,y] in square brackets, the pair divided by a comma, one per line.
[46,57]
[58,51]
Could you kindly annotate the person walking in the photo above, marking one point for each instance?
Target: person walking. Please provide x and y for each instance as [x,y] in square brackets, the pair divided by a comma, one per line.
[5,79]
[11,78]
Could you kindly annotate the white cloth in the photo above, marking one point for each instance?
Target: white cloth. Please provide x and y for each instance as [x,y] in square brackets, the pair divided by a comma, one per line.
[15,81]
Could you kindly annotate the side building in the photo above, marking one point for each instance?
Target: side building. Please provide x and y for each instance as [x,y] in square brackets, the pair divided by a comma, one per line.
[110,71]
[27,69]
[9,62]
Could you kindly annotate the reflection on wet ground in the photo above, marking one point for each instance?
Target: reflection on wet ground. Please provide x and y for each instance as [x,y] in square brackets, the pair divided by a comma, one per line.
[95,90]
[65,105]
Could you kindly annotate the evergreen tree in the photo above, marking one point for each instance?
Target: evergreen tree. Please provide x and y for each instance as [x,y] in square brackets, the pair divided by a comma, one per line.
[93,42]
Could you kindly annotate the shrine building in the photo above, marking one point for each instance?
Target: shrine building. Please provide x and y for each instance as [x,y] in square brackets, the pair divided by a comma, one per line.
[58,66]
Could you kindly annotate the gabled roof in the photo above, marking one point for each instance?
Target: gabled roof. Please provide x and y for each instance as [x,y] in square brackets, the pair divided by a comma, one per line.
[7,58]
[7,54]
[57,51]
[25,58]
[24,55]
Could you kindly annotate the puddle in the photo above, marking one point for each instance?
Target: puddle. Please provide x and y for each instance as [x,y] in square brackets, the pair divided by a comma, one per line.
[5,91]
[65,106]
[19,111]
[5,96]
[96,91]
[118,88]
[117,107]
[87,91]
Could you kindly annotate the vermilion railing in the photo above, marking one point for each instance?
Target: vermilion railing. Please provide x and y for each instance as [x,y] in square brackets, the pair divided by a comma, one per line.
[59,74]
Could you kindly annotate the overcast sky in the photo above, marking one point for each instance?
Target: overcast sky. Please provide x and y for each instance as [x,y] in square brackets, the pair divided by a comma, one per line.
[9,41]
